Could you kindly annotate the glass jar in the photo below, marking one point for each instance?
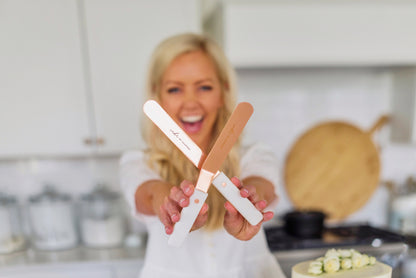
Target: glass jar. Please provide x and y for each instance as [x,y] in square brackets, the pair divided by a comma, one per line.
[11,233]
[403,208]
[409,265]
[102,218]
[52,220]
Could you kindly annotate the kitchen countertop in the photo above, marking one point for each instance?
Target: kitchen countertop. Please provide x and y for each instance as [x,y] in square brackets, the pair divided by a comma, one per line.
[80,262]
[77,254]
[132,258]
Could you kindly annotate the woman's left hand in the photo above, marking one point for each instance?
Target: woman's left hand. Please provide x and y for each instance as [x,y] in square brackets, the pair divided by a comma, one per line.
[234,223]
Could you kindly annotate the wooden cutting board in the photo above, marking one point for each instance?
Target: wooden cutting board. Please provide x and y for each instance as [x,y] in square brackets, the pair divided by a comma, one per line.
[334,167]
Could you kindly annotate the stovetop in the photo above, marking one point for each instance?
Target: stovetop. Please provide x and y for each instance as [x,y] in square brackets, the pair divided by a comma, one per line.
[340,236]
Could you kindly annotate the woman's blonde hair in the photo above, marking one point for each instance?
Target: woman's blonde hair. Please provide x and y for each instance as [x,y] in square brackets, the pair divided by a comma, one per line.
[163,156]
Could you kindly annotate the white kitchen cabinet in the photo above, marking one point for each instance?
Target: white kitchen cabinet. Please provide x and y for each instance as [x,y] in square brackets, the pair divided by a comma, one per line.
[72,71]
[121,36]
[43,108]
[287,33]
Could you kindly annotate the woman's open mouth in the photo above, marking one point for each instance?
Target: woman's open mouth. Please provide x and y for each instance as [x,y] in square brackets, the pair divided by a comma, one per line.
[192,124]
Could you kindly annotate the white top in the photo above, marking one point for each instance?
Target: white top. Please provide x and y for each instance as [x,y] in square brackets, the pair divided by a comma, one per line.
[203,254]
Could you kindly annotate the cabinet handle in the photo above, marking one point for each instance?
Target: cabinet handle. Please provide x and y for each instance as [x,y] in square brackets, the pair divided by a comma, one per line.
[99,141]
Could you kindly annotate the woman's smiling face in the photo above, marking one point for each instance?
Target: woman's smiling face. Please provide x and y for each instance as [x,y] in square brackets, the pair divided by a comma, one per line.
[191,94]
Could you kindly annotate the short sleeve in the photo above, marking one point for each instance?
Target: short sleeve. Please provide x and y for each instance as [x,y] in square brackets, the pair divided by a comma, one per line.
[259,160]
[133,172]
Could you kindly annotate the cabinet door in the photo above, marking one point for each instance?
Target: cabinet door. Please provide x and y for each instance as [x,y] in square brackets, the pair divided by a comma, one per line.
[43,108]
[121,36]
[285,33]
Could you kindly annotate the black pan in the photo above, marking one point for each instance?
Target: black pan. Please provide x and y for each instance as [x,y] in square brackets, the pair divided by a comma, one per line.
[304,224]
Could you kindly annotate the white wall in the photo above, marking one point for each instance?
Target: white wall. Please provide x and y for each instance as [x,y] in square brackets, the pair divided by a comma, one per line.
[288,102]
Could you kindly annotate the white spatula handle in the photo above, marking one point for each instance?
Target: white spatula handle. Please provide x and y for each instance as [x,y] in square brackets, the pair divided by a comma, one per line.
[188,216]
[232,194]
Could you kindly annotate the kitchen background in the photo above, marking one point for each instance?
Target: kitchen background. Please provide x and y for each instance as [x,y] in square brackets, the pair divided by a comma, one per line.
[72,71]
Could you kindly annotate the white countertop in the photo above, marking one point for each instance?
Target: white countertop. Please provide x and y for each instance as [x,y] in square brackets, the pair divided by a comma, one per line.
[77,262]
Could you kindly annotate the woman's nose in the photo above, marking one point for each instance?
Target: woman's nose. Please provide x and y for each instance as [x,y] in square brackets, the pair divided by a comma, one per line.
[190,96]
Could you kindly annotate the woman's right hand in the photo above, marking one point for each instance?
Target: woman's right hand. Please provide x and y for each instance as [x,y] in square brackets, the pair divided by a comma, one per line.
[178,198]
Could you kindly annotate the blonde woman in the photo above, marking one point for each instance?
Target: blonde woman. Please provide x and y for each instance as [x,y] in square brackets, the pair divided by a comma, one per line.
[192,80]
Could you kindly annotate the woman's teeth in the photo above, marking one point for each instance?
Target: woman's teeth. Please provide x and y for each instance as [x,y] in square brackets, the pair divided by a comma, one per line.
[191,119]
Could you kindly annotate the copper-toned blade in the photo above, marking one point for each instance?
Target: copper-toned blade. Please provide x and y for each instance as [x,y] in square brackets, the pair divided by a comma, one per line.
[228,137]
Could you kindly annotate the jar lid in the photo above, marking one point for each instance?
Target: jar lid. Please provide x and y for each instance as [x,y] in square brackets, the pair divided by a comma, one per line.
[101,193]
[101,203]
[7,200]
[49,194]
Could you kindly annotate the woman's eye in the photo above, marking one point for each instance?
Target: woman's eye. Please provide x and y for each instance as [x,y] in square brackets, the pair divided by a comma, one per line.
[173,90]
[206,88]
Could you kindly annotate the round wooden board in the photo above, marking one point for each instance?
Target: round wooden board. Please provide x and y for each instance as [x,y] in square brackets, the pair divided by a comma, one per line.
[334,167]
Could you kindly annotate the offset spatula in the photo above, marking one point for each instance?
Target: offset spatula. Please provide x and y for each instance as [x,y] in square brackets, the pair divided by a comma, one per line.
[209,166]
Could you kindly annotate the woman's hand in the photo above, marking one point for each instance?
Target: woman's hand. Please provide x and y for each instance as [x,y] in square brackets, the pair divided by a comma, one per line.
[234,222]
[178,198]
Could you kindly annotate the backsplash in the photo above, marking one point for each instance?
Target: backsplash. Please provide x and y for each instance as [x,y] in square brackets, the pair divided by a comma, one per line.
[287,102]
